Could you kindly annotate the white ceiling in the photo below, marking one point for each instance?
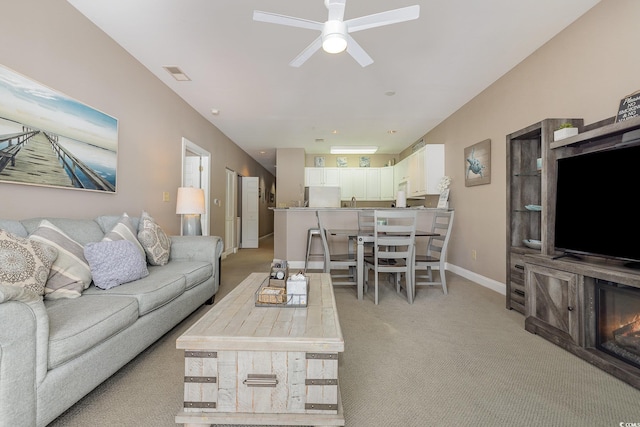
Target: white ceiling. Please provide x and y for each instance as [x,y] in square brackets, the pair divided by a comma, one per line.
[434,64]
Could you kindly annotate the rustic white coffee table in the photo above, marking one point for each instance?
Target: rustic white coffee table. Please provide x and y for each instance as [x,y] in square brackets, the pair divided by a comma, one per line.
[264,365]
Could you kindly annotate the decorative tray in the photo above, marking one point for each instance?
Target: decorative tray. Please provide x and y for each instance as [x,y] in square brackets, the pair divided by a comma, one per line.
[272,296]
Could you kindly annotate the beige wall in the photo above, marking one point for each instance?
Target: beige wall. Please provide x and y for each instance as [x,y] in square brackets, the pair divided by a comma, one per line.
[290,176]
[583,72]
[52,43]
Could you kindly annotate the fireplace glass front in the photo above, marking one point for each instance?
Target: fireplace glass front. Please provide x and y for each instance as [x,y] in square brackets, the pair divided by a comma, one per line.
[618,321]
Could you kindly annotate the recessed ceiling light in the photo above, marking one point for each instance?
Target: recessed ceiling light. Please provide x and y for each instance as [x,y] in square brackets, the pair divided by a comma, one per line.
[354,150]
[390,92]
[334,131]
[177,73]
[215,111]
[391,131]
[319,140]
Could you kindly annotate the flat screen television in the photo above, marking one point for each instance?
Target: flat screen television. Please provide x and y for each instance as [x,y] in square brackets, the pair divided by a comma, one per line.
[597,204]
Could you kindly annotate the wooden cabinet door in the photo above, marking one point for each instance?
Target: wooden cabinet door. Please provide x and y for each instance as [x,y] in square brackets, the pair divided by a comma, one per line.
[551,305]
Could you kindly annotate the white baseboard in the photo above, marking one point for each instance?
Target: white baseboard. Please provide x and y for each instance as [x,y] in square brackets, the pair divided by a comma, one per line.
[494,285]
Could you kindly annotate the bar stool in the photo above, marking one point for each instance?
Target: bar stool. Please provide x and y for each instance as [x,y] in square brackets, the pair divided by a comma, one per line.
[311,233]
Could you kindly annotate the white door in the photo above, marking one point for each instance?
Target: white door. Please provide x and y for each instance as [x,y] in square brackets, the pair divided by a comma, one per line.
[250,211]
[230,243]
[196,173]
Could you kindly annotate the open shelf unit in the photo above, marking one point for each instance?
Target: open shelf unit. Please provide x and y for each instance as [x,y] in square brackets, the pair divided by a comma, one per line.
[528,184]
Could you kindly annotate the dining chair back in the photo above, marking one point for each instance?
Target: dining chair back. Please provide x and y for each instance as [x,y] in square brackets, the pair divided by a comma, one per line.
[337,261]
[394,241]
[366,223]
[436,253]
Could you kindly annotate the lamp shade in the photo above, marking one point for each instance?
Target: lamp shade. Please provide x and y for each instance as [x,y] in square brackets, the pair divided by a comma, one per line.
[190,201]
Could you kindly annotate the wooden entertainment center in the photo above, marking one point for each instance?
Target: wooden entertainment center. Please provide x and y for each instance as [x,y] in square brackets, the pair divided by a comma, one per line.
[558,296]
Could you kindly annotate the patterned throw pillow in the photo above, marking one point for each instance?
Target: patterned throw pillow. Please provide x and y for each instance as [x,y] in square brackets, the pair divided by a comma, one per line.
[155,242]
[70,273]
[115,262]
[124,230]
[24,262]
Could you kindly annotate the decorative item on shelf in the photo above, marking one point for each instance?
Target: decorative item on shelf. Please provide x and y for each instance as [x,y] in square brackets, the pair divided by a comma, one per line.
[537,208]
[318,161]
[533,244]
[190,204]
[565,131]
[341,162]
[365,161]
[629,107]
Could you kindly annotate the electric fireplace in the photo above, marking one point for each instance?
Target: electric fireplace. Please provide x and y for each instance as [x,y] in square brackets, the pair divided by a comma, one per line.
[617,318]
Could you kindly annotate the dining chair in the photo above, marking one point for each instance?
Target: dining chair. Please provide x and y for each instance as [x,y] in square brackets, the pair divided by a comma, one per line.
[394,240]
[436,253]
[337,261]
[366,221]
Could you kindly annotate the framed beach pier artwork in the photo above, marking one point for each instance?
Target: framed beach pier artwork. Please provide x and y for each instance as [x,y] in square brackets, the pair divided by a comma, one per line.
[49,139]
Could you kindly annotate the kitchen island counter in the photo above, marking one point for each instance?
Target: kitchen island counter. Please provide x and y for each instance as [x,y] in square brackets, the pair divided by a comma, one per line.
[291,226]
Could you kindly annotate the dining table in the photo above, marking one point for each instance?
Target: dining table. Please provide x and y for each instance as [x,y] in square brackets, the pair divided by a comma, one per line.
[362,237]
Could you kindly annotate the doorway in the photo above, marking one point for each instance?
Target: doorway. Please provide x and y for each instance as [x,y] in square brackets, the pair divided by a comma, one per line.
[196,163]
[230,220]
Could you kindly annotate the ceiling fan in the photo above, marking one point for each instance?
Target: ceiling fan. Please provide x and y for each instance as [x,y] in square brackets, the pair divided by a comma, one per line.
[335,36]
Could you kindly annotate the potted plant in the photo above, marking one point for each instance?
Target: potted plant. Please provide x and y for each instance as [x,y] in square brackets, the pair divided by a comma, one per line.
[566,130]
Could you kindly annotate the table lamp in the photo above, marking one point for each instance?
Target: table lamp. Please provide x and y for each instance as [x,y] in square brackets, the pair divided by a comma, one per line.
[190,204]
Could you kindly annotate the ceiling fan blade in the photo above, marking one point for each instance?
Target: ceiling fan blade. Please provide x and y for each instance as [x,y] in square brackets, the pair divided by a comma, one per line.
[307,52]
[358,53]
[383,18]
[290,21]
[336,9]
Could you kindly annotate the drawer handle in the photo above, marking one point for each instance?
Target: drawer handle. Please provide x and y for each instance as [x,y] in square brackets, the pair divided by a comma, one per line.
[261,380]
[519,267]
[570,308]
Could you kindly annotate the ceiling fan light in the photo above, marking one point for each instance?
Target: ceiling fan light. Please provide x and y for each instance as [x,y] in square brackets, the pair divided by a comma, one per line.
[334,43]
[334,37]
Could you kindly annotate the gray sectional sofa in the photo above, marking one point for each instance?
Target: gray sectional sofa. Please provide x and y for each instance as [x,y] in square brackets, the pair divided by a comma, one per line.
[54,352]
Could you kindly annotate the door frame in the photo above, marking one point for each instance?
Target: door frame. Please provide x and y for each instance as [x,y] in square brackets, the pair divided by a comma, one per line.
[205,179]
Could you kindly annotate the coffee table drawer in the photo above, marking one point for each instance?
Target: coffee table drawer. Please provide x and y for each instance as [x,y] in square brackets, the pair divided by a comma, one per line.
[261,382]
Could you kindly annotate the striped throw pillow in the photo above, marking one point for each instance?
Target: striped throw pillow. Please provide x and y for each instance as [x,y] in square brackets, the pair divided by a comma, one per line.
[70,273]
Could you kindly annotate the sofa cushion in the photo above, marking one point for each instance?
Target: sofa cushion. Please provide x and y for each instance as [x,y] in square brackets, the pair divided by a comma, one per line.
[24,262]
[79,324]
[124,230]
[153,239]
[114,263]
[162,285]
[70,273]
[195,272]
[82,231]
[14,227]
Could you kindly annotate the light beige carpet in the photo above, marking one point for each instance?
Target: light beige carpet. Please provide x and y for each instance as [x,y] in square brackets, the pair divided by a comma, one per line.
[455,360]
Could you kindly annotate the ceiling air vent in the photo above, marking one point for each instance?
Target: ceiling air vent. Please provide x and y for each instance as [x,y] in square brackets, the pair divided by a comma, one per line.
[177,74]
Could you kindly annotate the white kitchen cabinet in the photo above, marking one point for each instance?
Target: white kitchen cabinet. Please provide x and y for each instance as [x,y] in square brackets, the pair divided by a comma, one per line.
[422,170]
[387,184]
[323,177]
[372,183]
[353,183]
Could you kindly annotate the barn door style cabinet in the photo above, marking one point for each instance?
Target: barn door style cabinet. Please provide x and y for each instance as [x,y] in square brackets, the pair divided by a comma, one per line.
[529,163]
